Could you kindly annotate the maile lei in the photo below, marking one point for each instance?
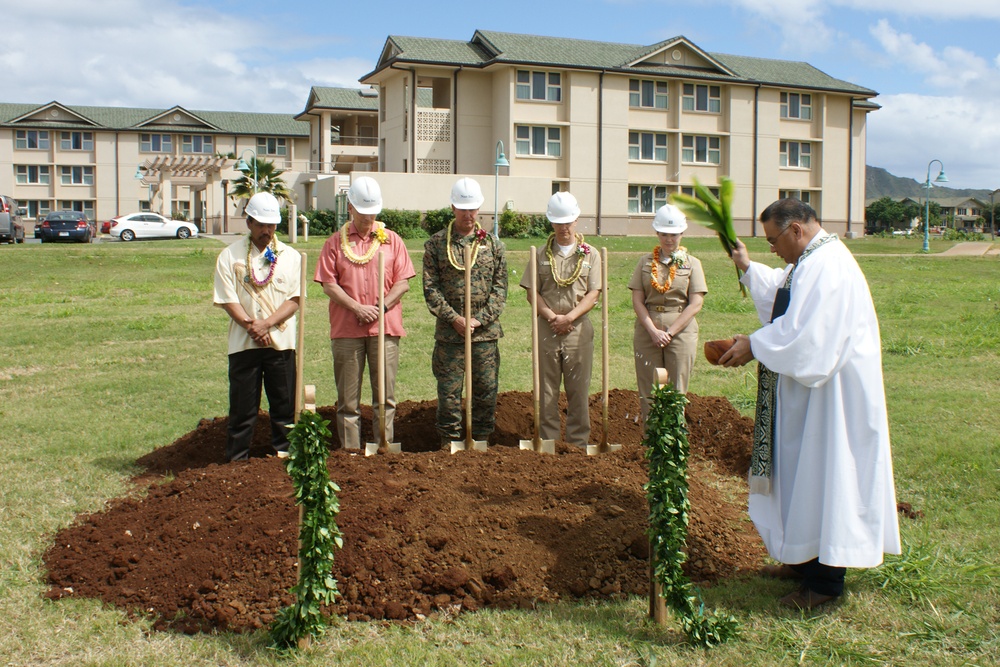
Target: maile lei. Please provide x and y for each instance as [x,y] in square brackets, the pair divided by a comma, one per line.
[378,237]
[678,258]
[480,234]
[270,256]
[582,250]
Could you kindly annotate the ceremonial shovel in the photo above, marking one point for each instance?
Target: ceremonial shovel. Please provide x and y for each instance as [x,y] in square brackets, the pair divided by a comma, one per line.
[468,443]
[604,447]
[300,343]
[537,444]
[381,445]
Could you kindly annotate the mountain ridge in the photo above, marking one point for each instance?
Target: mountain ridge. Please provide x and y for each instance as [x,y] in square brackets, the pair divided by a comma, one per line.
[880,183]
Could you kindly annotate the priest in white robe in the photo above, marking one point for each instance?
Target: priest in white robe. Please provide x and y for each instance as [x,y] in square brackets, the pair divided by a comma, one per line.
[822,495]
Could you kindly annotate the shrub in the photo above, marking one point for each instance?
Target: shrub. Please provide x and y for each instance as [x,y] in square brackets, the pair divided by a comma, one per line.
[321,223]
[436,220]
[403,222]
[522,225]
[961,235]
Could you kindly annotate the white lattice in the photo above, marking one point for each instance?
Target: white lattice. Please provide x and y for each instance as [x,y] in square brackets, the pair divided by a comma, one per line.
[428,166]
[434,125]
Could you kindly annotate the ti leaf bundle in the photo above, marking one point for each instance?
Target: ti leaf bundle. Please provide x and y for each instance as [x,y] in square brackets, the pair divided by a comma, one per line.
[713,212]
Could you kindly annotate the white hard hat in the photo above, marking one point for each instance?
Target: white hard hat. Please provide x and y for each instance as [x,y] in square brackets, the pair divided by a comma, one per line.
[263,208]
[562,208]
[365,196]
[466,194]
[669,220]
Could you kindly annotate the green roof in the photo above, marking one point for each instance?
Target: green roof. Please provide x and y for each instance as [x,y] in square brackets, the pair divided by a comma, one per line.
[488,47]
[342,98]
[132,119]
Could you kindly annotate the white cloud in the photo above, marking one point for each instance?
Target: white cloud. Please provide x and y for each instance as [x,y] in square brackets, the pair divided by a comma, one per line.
[911,130]
[954,68]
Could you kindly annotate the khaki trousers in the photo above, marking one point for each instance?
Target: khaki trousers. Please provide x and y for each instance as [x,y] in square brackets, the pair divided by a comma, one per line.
[567,360]
[349,358]
[677,358]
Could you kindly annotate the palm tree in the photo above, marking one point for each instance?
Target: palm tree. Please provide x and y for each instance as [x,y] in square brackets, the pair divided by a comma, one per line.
[268,180]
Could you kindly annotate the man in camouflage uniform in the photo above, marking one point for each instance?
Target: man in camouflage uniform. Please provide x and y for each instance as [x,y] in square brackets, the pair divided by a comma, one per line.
[444,292]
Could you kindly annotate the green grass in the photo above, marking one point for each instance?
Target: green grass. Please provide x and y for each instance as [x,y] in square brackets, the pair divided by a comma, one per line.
[112,350]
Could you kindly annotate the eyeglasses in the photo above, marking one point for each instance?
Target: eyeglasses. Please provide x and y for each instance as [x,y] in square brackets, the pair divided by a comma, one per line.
[775,241]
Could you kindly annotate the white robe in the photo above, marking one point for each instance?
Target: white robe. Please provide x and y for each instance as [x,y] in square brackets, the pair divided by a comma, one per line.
[832,492]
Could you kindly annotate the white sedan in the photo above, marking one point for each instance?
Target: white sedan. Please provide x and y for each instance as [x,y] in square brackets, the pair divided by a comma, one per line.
[150,226]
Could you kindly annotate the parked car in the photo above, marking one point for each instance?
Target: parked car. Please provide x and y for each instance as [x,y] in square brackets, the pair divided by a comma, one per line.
[11,230]
[67,226]
[106,227]
[150,226]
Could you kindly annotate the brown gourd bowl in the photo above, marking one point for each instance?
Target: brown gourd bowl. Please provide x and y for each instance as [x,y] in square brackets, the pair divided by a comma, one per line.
[714,349]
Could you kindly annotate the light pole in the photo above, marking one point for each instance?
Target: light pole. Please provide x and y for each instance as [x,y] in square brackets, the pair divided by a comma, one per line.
[941,178]
[501,161]
[241,165]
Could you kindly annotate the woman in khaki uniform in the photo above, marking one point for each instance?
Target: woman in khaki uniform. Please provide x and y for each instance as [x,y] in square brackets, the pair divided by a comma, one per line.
[668,289]
[569,283]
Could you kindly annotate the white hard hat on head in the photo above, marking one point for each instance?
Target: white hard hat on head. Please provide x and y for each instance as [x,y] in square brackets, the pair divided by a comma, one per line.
[562,208]
[466,194]
[669,220]
[365,196]
[264,208]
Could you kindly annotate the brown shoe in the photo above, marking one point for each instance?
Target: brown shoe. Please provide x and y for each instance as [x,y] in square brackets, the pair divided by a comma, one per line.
[805,599]
[781,571]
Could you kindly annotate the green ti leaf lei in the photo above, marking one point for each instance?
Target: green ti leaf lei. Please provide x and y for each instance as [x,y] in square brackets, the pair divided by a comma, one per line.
[318,533]
[667,451]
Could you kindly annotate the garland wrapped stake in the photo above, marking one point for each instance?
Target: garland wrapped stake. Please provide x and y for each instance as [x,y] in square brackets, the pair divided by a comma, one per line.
[667,451]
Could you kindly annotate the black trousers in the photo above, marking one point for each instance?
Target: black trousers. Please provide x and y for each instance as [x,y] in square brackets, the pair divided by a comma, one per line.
[822,579]
[248,371]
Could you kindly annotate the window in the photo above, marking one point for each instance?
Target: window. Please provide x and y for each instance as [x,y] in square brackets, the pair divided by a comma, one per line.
[271,146]
[646,198]
[648,94]
[77,176]
[32,139]
[85,207]
[795,154]
[647,146]
[37,208]
[690,191]
[542,86]
[156,143]
[196,143]
[705,150]
[698,97]
[32,175]
[76,141]
[796,105]
[532,140]
[802,195]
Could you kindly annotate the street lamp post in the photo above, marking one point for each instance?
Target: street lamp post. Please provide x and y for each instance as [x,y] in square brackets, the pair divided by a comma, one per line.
[241,165]
[941,178]
[501,161]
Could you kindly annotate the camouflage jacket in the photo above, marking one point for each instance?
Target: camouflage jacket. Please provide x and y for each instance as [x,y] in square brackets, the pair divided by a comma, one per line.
[444,286]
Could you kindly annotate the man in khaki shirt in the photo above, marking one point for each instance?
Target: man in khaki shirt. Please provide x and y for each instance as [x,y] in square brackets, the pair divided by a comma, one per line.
[569,283]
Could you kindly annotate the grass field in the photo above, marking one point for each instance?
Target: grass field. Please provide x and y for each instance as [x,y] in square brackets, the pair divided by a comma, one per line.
[111,350]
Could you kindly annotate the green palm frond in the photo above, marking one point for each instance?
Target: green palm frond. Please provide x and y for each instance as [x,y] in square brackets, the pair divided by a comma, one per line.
[713,212]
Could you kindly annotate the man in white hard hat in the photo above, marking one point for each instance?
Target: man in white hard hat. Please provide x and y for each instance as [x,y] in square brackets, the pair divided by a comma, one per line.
[444,292]
[257,282]
[348,271]
[569,283]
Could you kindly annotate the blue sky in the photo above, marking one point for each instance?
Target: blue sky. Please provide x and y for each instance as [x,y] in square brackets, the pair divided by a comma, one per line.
[935,63]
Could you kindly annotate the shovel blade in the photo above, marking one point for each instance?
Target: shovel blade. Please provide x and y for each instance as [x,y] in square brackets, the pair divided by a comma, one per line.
[539,445]
[372,448]
[594,450]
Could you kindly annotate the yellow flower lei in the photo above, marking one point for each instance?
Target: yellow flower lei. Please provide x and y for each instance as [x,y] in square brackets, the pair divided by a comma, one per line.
[677,258]
[480,234]
[378,237]
[582,252]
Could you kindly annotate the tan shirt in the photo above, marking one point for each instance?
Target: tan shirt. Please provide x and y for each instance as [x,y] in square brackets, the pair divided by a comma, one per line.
[690,279]
[564,299]
[258,302]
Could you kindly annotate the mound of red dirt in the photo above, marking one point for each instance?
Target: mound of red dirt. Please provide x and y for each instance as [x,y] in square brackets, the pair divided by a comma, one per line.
[213,545]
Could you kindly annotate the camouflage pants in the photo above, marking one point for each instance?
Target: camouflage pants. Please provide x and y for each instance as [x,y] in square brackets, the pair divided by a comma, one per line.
[448,365]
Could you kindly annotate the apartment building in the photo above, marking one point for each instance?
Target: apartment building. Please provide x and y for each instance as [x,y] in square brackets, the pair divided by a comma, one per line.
[108,161]
[621,126]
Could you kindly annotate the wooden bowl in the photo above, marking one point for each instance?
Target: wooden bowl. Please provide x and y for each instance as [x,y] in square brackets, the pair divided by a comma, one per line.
[714,349]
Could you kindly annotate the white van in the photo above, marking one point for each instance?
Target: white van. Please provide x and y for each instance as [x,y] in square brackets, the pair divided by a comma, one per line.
[11,230]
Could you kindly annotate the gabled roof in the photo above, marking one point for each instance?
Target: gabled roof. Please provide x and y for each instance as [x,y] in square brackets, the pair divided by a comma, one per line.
[346,99]
[489,48]
[136,119]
